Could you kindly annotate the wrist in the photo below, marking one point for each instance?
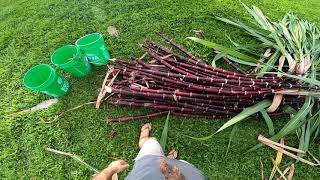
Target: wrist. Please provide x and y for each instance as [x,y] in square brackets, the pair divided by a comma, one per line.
[109,172]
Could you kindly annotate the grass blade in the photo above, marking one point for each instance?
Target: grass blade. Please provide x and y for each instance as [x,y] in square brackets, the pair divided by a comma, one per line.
[75,157]
[304,139]
[243,62]
[299,118]
[164,135]
[259,33]
[233,132]
[273,59]
[290,110]
[246,113]
[216,58]
[200,138]
[268,121]
[224,49]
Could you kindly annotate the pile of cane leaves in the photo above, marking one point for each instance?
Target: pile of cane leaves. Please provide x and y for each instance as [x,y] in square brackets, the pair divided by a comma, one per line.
[295,40]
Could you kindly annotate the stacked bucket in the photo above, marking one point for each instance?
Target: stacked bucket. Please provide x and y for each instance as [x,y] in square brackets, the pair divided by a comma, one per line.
[76,59]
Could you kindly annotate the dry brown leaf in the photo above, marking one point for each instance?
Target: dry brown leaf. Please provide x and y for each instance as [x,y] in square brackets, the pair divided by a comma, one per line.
[286,170]
[281,62]
[278,169]
[143,55]
[113,31]
[102,90]
[152,61]
[278,97]
[275,103]
[43,105]
[291,172]
[265,140]
[291,155]
[262,173]
[266,55]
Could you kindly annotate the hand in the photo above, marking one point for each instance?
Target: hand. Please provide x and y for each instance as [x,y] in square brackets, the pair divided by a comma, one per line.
[113,168]
[118,166]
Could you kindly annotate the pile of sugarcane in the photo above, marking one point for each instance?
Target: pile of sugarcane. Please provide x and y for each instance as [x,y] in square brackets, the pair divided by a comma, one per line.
[187,86]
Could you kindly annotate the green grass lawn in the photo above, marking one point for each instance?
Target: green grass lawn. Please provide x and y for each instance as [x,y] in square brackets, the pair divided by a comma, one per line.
[31,30]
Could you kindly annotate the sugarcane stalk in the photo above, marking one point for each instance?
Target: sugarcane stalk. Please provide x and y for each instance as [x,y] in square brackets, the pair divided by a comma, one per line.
[131,118]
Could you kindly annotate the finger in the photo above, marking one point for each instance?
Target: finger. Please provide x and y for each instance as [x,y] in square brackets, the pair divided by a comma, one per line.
[123,167]
[122,162]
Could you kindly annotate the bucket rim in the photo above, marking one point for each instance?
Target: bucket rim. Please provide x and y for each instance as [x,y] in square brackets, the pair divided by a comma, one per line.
[83,45]
[67,64]
[45,84]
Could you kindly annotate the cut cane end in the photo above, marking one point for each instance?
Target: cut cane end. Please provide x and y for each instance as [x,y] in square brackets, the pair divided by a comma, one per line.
[108,121]
[108,89]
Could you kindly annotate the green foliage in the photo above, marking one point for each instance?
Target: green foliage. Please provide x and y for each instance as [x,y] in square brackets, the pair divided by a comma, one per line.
[298,40]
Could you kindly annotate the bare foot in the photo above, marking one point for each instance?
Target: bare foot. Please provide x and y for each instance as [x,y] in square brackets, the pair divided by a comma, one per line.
[144,134]
[173,154]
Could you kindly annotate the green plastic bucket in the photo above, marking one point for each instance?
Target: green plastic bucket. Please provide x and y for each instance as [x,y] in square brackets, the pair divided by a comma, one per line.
[43,78]
[94,48]
[71,60]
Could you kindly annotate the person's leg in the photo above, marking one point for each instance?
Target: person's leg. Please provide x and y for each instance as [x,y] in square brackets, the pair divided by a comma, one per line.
[173,154]
[145,134]
[148,145]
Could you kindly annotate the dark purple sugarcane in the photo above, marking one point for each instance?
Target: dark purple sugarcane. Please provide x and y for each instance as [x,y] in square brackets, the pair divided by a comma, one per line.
[223,73]
[206,109]
[199,61]
[198,116]
[144,117]
[218,71]
[233,65]
[210,89]
[192,94]
[203,102]
[199,79]
[251,83]
[151,105]
[232,87]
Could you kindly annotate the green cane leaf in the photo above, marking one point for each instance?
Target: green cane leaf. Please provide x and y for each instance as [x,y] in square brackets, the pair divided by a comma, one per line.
[270,63]
[246,113]
[268,121]
[224,49]
[164,135]
[297,120]
[289,110]
[200,138]
[243,62]
[233,132]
